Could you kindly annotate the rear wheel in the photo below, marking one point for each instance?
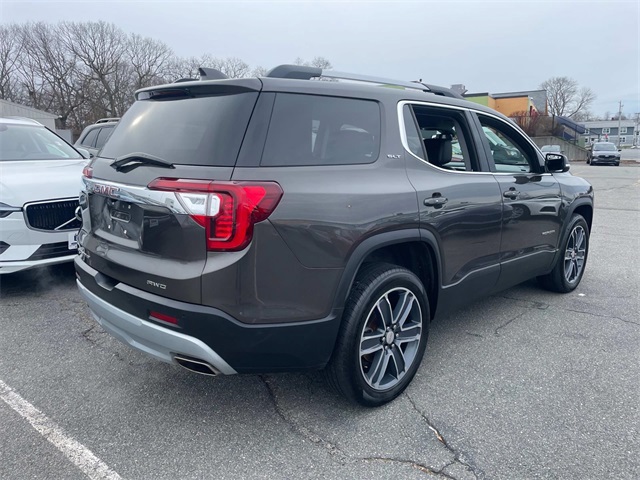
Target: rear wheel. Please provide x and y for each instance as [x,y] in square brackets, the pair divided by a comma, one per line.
[383,335]
[569,267]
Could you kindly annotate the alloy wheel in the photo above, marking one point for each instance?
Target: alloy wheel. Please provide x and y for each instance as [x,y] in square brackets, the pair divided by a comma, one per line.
[390,338]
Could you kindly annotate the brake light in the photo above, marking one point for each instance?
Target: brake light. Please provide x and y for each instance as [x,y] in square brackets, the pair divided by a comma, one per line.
[226,210]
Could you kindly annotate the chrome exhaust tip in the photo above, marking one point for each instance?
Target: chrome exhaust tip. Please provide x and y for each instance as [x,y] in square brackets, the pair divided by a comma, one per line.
[196,365]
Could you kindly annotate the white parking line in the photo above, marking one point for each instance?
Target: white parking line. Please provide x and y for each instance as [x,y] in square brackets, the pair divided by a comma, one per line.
[78,454]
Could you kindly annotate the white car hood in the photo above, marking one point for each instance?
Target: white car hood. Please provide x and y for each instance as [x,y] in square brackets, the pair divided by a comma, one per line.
[35,180]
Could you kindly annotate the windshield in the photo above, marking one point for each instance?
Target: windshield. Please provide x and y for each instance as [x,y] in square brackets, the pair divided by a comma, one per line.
[27,142]
[605,147]
[201,130]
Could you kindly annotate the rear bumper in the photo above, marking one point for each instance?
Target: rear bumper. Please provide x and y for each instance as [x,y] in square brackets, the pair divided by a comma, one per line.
[204,332]
[151,339]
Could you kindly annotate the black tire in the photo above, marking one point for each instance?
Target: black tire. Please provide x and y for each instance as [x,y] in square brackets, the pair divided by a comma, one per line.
[567,271]
[346,370]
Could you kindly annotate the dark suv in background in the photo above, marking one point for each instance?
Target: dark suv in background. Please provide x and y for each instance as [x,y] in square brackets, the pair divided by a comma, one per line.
[281,223]
[96,135]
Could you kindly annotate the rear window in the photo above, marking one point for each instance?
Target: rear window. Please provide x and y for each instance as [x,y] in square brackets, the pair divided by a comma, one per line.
[185,131]
[316,130]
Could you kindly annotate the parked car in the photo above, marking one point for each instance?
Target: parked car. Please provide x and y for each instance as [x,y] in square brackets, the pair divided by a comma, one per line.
[280,223]
[551,149]
[40,177]
[95,136]
[603,152]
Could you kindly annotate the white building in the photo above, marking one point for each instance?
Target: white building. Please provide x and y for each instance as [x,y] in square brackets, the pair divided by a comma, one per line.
[10,109]
[607,130]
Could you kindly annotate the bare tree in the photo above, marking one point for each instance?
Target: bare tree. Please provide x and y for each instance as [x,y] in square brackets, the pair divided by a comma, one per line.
[319,62]
[259,72]
[11,48]
[530,123]
[149,60]
[101,47]
[565,97]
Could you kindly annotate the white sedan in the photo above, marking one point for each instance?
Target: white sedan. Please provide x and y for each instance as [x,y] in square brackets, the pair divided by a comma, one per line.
[40,179]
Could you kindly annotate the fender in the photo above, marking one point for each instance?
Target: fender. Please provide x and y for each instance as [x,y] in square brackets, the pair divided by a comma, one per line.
[374,243]
[585,200]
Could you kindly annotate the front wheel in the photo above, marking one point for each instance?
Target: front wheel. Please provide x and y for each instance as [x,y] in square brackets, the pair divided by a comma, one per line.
[570,265]
[383,335]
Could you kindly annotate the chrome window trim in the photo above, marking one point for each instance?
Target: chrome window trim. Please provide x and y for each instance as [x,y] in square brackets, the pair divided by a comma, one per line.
[405,144]
[135,194]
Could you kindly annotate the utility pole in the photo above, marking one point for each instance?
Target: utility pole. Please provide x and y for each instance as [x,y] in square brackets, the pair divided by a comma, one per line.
[636,134]
[619,119]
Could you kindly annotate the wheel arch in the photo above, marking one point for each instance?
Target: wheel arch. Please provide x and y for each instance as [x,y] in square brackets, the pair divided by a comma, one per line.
[414,249]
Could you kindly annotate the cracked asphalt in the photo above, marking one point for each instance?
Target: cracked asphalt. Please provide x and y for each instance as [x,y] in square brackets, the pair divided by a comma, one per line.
[524,384]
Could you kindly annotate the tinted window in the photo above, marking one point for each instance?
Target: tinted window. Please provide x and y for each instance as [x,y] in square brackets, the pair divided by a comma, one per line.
[89,139]
[316,130]
[187,131]
[510,151]
[105,133]
[22,142]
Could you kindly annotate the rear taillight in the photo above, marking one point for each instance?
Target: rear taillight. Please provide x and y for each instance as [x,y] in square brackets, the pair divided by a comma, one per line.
[87,172]
[227,210]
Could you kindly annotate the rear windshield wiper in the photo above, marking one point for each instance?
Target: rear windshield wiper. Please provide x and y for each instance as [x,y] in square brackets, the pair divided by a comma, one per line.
[132,160]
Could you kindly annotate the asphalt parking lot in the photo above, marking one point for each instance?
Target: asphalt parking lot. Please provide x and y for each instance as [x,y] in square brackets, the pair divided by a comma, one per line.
[525,384]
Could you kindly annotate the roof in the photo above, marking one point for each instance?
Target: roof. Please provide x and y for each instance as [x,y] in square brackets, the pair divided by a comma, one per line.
[6,106]
[525,93]
[339,88]
[608,123]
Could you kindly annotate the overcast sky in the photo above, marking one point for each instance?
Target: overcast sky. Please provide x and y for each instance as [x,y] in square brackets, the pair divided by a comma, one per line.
[487,46]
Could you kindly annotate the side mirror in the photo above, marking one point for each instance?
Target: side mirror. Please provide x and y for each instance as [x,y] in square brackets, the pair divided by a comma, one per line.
[619,149]
[556,162]
[85,153]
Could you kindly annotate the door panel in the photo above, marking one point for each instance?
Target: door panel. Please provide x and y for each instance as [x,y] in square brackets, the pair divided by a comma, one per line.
[461,208]
[531,203]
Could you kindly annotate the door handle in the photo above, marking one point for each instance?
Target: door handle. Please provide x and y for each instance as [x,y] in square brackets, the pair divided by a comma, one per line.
[435,201]
[512,194]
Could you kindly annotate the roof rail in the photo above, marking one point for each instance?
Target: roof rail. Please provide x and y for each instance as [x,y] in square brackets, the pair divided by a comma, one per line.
[301,72]
[211,74]
[108,119]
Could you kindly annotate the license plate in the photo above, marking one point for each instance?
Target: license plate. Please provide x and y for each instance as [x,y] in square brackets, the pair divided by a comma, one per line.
[73,240]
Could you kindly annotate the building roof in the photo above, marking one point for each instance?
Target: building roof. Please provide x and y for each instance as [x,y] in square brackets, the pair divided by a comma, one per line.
[608,123]
[8,108]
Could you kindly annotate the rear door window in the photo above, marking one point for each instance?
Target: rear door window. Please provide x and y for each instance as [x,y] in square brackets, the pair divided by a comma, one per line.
[103,136]
[204,130]
[89,139]
[317,130]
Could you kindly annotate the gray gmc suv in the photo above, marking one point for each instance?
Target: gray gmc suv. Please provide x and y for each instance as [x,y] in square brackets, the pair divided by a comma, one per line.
[283,223]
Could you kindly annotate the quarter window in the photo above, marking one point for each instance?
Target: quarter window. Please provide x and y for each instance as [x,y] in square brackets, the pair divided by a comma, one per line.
[90,138]
[511,153]
[103,136]
[317,130]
